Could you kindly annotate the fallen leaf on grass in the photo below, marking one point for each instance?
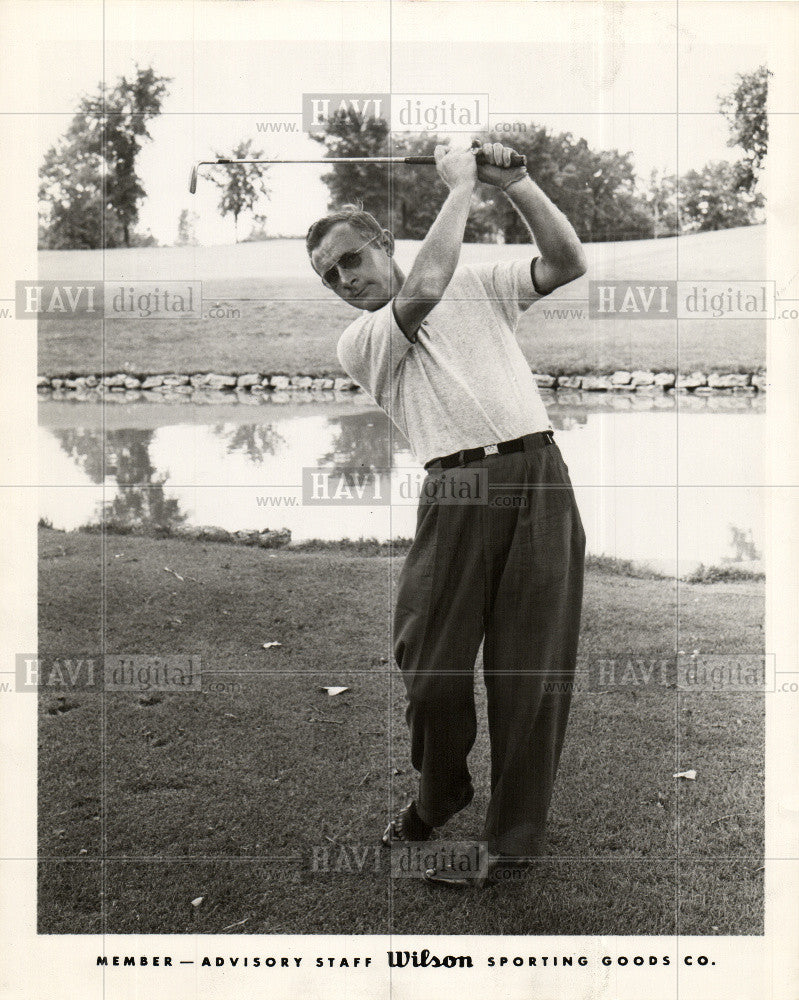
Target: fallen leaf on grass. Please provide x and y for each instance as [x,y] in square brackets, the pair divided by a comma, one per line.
[268,645]
[690,775]
[333,691]
[197,901]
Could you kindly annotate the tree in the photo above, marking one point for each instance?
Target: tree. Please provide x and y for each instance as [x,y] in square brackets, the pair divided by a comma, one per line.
[595,189]
[709,199]
[404,199]
[661,197]
[241,185]
[746,112]
[187,228]
[89,188]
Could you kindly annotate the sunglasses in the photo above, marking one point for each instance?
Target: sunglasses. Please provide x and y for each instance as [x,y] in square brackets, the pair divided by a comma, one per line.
[349,261]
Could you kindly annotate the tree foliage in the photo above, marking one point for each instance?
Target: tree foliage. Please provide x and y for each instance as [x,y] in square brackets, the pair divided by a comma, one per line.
[710,199]
[90,192]
[242,185]
[747,116]
[404,199]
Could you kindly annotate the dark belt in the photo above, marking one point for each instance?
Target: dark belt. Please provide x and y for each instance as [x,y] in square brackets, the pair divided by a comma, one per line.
[503,448]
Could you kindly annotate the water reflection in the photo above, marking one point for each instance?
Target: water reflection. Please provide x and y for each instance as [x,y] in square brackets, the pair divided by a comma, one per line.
[123,457]
[201,466]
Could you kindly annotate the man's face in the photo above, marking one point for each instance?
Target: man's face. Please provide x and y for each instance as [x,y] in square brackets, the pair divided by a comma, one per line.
[358,271]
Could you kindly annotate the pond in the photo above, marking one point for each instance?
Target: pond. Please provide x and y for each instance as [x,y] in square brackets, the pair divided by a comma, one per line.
[657,482]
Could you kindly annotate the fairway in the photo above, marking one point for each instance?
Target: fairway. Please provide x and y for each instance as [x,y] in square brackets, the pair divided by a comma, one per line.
[275,316]
[254,792]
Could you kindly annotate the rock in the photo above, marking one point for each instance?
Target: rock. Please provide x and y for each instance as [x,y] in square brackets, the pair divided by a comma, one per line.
[570,381]
[132,395]
[344,385]
[131,382]
[115,381]
[274,539]
[220,381]
[759,381]
[596,383]
[544,381]
[42,381]
[57,383]
[152,382]
[642,378]
[664,379]
[208,533]
[320,384]
[731,381]
[92,381]
[621,378]
[245,537]
[279,382]
[176,380]
[198,381]
[692,381]
[704,390]
[301,381]
[649,390]
[72,383]
[258,390]
[247,381]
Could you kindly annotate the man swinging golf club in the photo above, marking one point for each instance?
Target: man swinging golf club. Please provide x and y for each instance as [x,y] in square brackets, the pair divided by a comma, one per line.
[436,350]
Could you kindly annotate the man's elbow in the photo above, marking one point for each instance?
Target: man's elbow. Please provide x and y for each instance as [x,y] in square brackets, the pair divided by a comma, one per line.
[577,264]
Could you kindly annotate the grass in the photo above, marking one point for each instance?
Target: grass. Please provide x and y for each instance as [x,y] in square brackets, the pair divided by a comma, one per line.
[289,323]
[148,803]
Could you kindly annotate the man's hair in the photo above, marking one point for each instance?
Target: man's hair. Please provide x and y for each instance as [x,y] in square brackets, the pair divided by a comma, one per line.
[354,215]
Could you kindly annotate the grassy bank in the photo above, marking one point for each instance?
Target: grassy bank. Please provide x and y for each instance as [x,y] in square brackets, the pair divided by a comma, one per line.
[230,794]
[266,312]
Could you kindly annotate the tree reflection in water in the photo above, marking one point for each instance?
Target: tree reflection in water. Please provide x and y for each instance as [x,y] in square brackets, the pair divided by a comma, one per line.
[362,444]
[253,440]
[123,456]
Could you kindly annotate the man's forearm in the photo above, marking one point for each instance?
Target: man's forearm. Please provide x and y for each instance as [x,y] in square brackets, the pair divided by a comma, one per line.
[554,235]
[439,253]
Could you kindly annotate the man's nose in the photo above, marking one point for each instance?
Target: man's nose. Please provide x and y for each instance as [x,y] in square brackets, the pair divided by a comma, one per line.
[346,277]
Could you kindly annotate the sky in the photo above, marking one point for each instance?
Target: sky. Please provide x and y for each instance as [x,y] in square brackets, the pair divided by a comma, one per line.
[622,75]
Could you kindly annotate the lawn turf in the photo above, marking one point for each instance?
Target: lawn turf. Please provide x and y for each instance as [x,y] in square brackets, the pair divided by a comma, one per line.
[276,316]
[266,797]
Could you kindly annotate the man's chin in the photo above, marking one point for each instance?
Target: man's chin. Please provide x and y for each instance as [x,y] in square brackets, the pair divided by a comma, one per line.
[371,304]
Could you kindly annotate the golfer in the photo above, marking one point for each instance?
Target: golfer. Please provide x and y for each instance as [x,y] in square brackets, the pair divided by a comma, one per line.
[437,352]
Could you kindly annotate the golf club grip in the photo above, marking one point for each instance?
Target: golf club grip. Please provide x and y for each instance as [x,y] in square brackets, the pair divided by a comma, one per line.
[516,160]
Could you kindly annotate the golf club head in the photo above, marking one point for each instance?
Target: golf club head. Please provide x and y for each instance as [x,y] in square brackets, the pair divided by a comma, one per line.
[193,179]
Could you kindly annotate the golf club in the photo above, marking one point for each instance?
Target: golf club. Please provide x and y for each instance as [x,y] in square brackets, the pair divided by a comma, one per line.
[517,160]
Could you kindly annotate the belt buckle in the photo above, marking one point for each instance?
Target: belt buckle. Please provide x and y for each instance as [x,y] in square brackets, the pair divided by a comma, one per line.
[491,449]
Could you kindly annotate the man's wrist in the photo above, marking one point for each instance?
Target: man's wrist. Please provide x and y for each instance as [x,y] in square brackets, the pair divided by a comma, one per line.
[516,180]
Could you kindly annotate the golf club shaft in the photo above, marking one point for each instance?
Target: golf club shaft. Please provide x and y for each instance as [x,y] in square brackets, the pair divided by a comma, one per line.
[517,160]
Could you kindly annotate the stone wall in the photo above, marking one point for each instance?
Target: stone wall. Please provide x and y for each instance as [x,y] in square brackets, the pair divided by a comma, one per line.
[255,387]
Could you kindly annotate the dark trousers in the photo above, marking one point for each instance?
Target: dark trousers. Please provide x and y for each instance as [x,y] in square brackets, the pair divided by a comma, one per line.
[508,571]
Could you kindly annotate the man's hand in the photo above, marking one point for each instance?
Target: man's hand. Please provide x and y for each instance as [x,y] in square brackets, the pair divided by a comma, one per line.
[457,168]
[497,169]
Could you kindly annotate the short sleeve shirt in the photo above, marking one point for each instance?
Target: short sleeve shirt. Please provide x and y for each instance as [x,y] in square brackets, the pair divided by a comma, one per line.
[464,381]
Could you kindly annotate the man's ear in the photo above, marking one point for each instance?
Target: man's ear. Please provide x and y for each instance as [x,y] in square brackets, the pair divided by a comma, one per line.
[387,242]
